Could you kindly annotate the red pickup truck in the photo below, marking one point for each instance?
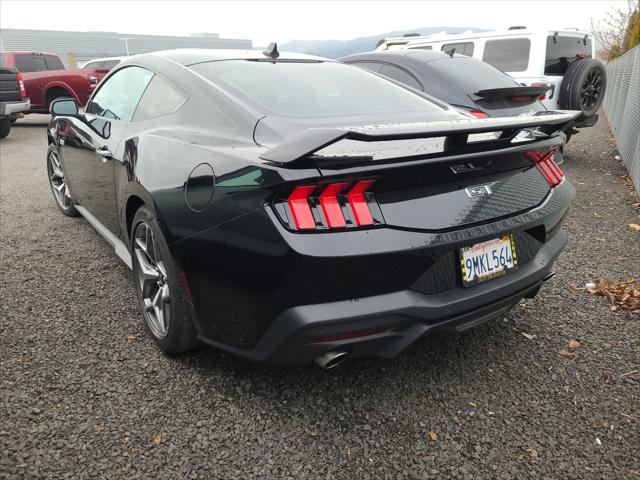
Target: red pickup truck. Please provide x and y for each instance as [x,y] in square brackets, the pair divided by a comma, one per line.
[46,79]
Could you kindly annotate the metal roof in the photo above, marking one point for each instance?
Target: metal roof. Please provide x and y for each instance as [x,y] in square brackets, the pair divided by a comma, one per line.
[89,45]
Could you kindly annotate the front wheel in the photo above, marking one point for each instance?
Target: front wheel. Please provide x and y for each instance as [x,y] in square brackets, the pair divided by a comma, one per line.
[162,297]
[58,184]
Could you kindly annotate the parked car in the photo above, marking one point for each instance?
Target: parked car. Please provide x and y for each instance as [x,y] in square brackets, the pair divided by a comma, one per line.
[562,59]
[286,208]
[471,85]
[106,62]
[13,98]
[45,78]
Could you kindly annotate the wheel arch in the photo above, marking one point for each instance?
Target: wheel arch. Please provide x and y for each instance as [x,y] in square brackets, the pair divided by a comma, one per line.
[58,89]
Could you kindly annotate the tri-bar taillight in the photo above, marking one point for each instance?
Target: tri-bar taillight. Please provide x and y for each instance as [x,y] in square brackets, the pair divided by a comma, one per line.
[545,163]
[336,205]
[23,92]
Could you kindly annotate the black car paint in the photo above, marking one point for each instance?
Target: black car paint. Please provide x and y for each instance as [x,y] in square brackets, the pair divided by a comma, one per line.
[420,64]
[246,271]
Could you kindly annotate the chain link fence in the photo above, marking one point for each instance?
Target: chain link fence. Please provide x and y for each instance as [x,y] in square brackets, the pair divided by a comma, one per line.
[622,106]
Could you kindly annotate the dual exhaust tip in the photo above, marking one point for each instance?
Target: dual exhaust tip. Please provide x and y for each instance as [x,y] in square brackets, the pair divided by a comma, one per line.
[332,359]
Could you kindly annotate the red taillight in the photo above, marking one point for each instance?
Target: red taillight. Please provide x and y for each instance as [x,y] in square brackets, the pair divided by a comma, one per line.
[299,206]
[23,92]
[544,162]
[358,202]
[478,114]
[544,95]
[332,208]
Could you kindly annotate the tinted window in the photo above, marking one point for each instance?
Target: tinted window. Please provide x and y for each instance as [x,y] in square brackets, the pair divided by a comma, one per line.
[563,51]
[470,75]
[159,99]
[371,66]
[461,48]
[312,89]
[509,55]
[426,47]
[92,65]
[119,94]
[30,63]
[53,63]
[1,60]
[401,75]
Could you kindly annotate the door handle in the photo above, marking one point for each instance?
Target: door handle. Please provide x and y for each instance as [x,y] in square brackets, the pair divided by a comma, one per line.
[104,153]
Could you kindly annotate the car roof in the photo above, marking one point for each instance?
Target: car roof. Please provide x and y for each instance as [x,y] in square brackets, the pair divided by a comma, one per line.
[397,55]
[190,56]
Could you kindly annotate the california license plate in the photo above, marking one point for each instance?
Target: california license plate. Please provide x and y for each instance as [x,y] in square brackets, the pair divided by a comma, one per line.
[487,260]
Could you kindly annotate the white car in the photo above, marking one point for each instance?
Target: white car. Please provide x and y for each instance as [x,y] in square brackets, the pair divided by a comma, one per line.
[107,62]
[561,59]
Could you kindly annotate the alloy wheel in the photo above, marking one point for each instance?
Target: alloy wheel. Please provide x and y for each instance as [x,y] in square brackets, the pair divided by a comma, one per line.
[58,182]
[591,90]
[152,281]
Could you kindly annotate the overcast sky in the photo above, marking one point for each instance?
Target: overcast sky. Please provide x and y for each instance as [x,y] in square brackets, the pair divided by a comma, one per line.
[266,21]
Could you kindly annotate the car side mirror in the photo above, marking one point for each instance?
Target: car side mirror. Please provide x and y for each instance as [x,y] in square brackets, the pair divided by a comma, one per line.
[64,106]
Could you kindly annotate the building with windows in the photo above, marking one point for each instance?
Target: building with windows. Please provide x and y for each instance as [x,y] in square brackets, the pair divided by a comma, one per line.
[78,47]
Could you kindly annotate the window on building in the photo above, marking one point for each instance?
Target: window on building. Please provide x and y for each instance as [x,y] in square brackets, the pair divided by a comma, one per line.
[509,55]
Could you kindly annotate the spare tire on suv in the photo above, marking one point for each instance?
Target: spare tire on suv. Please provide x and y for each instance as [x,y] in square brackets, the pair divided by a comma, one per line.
[583,86]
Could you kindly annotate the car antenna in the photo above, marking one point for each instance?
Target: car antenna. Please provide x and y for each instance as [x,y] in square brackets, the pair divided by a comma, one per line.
[451,52]
[584,40]
[272,50]
[555,37]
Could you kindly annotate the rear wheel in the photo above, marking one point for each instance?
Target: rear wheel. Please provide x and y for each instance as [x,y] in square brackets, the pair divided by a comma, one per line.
[5,127]
[58,184]
[164,302]
[583,87]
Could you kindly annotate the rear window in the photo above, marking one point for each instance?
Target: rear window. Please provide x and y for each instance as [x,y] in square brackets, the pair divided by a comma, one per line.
[509,55]
[311,89]
[92,65]
[561,51]
[471,75]
[461,48]
[53,63]
[110,63]
[30,63]
[1,60]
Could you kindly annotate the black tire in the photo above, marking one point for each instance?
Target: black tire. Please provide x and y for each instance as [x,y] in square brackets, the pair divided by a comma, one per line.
[13,119]
[5,127]
[583,87]
[60,196]
[181,334]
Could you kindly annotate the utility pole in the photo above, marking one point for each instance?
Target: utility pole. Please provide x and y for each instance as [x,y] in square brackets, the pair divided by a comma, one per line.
[126,44]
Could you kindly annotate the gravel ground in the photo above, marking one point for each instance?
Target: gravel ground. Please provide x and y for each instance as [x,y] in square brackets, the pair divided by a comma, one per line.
[84,393]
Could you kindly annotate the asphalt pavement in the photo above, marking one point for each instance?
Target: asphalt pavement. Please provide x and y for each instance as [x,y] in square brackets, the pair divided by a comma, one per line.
[84,393]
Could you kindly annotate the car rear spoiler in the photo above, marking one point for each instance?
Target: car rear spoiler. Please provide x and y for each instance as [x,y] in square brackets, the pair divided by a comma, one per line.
[456,132]
[512,92]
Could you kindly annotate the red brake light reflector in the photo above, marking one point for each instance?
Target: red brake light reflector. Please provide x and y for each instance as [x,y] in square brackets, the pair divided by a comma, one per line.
[544,95]
[23,93]
[478,114]
[330,206]
[358,202]
[300,209]
[544,162]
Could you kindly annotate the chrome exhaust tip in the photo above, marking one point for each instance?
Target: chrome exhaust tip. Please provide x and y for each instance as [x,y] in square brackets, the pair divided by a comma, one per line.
[332,359]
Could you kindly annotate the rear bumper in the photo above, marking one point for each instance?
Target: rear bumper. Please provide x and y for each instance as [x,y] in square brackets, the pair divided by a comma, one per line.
[301,334]
[9,108]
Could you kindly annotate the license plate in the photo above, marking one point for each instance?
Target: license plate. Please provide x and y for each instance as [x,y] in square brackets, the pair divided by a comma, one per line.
[487,260]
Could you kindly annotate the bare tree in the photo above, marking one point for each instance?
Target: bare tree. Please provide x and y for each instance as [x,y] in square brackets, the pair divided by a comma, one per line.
[610,31]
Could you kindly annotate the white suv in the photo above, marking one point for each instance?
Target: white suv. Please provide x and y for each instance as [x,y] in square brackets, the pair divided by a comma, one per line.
[561,59]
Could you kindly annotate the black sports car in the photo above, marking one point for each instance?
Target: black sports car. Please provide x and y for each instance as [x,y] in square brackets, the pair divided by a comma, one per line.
[287,208]
[473,86]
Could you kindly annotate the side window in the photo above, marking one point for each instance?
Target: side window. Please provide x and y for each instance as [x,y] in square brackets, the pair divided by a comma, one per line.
[400,75]
[160,98]
[371,66]
[109,63]
[427,47]
[53,63]
[119,95]
[465,48]
[92,65]
[509,55]
[30,63]
[561,51]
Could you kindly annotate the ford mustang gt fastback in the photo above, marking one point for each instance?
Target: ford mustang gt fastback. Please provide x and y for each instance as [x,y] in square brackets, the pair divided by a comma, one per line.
[288,208]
